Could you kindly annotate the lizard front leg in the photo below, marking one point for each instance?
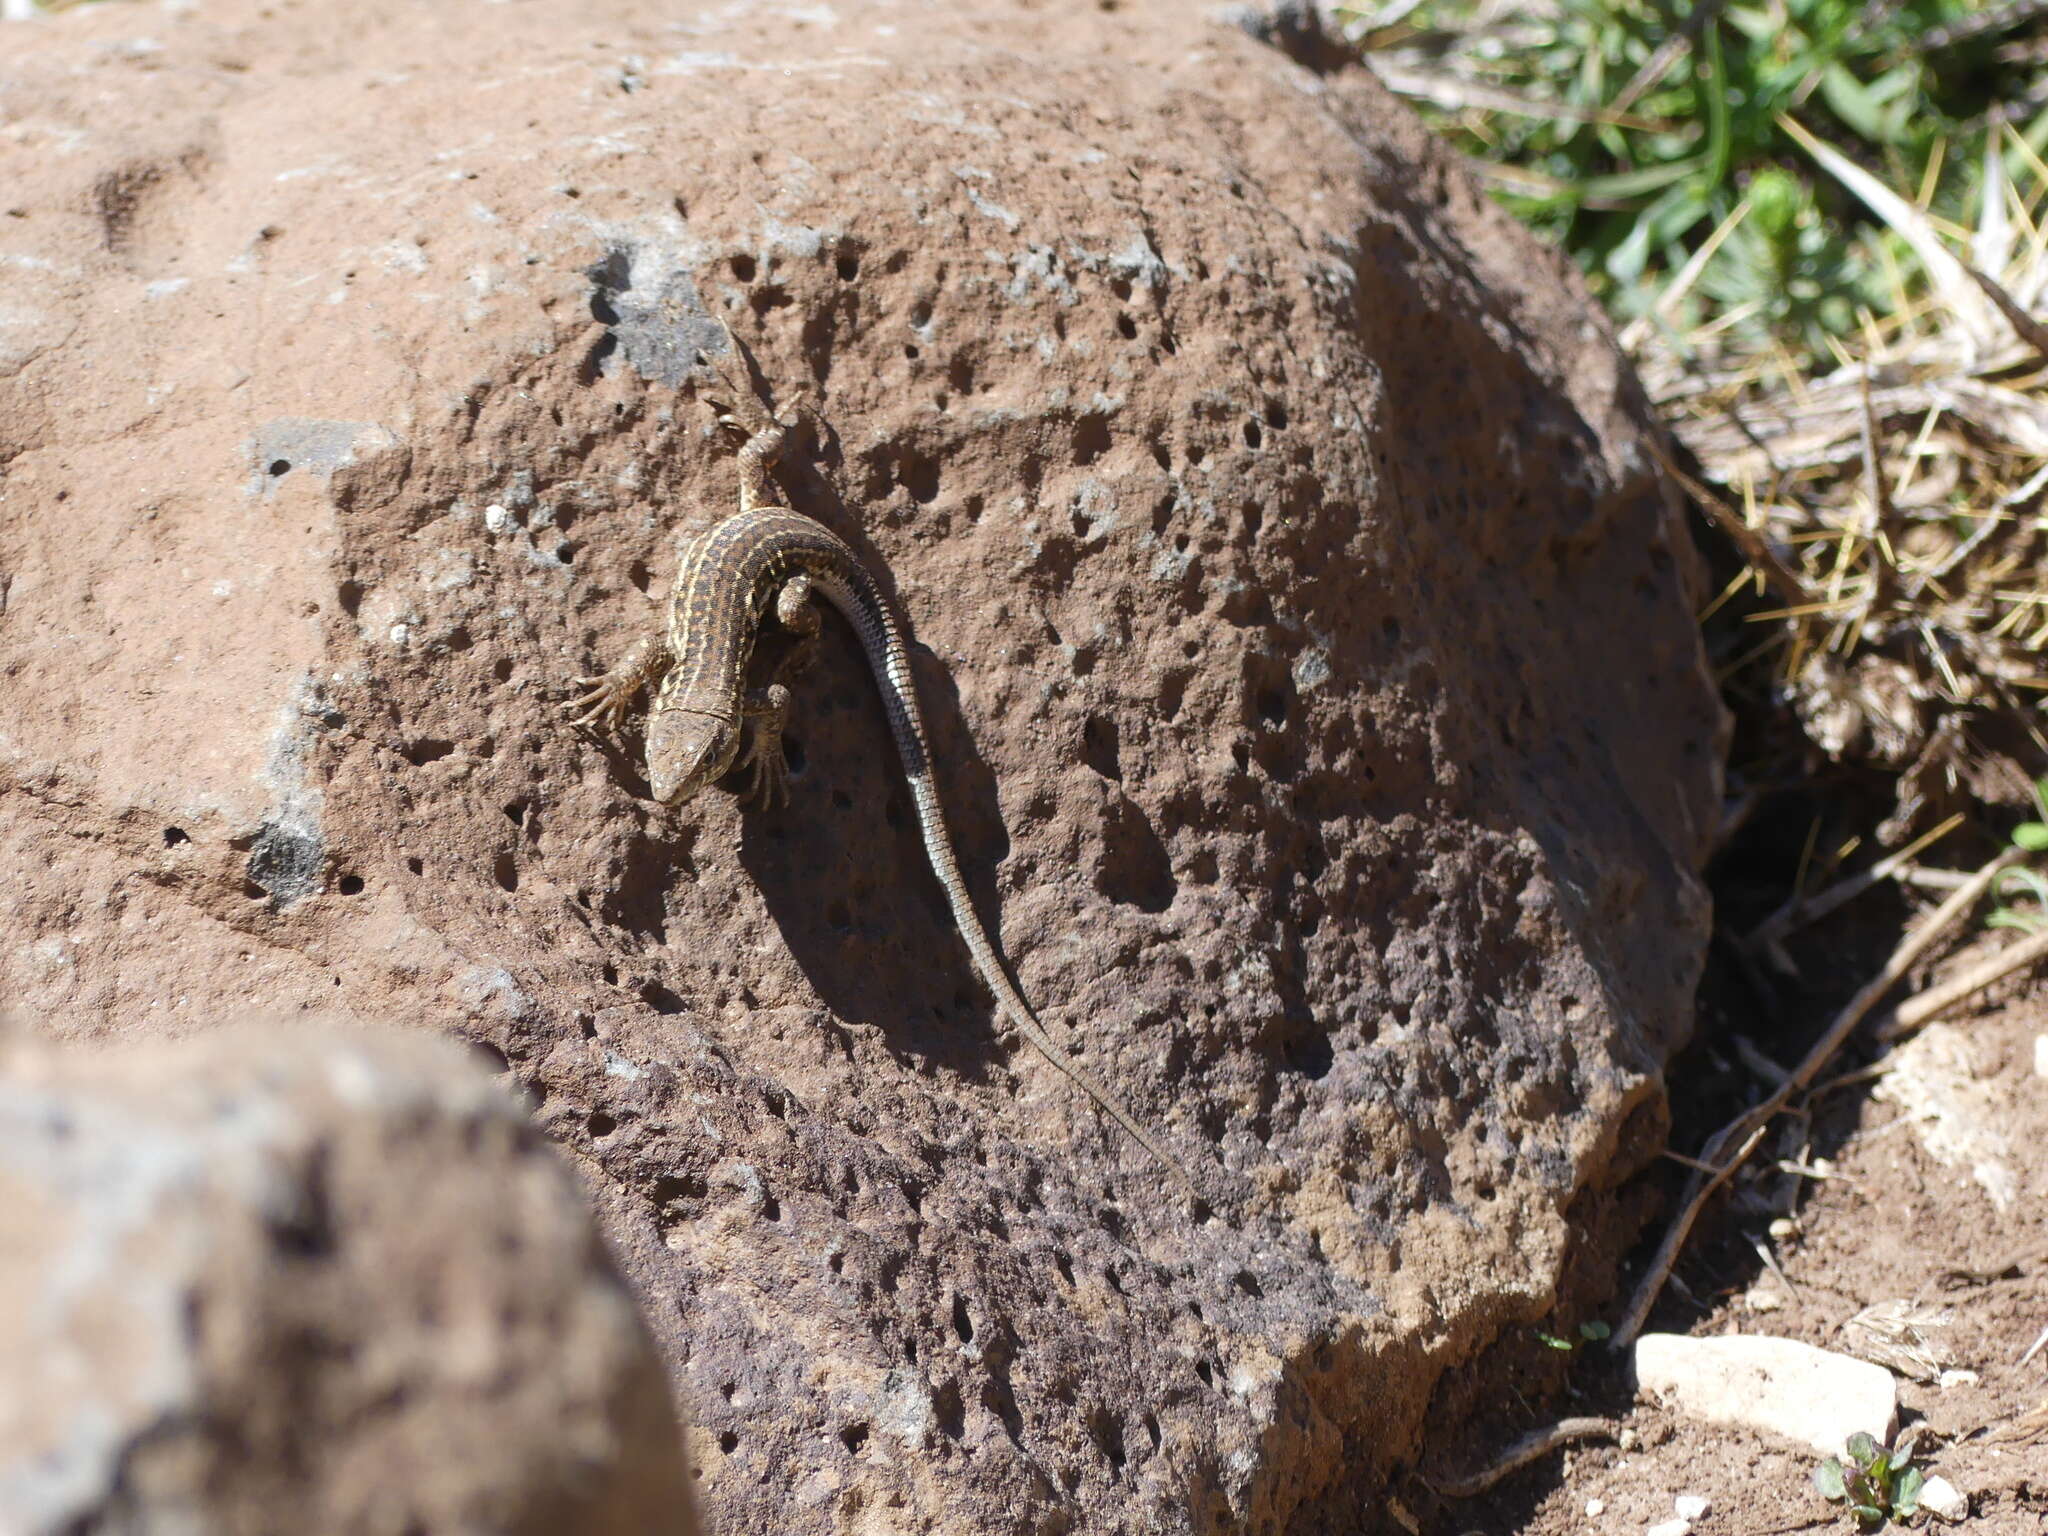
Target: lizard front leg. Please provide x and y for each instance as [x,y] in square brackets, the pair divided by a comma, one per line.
[767,712]
[606,700]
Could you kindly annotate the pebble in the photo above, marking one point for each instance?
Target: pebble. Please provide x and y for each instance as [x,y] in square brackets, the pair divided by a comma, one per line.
[1781,1387]
[1690,1506]
[1943,1500]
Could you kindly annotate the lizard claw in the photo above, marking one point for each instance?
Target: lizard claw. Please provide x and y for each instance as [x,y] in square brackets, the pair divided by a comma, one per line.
[602,705]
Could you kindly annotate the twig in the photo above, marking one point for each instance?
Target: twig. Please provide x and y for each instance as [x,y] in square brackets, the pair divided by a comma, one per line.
[1525,1450]
[2030,330]
[2034,1348]
[1755,548]
[1798,913]
[1750,1125]
[1917,1010]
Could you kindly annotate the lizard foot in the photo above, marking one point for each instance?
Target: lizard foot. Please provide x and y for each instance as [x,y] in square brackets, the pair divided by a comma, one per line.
[767,767]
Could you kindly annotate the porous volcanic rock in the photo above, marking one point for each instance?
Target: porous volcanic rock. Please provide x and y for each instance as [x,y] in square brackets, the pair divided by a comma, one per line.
[1310,667]
[287,1278]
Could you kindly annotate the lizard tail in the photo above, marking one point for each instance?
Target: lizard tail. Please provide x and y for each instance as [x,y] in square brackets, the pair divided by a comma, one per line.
[881,636]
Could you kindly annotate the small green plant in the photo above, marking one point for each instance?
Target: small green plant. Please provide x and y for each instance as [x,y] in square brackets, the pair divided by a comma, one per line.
[1589,1332]
[1876,1484]
[2031,837]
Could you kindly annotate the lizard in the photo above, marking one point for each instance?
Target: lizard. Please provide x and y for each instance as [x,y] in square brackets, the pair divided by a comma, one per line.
[702,720]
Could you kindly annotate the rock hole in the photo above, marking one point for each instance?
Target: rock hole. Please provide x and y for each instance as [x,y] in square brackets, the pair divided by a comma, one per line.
[1100,748]
[911,352]
[949,1410]
[921,314]
[1254,519]
[1127,328]
[416,865]
[1121,287]
[1196,453]
[350,885]
[771,1208]
[1276,415]
[610,974]
[1248,1282]
[1091,438]
[586,1026]
[1273,707]
[640,575]
[505,872]
[658,997]
[1152,1430]
[279,468]
[601,1125]
[728,1442]
[501,669]
[743,268]
[919,475]
[516,813]
[1208,1375]
[853,1437]
[848,267]
[421,753]
[174,836]
[350,596]
[565,553]
[1108,1433]
[793,755]
[836,1263]
[1173,692]
[1254,435]
[1064,1265]
[963,1325]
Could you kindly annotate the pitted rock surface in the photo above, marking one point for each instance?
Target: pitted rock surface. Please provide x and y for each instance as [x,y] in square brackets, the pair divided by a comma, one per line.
[1308,653]
[292,1278]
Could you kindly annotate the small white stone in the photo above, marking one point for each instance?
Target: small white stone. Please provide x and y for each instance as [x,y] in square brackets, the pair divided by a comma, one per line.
[1943,1500]
[1690,1506]
[2041,1055]
[1670,1528]
[496,517]
[1950,1379]
[1595,1508]
[1783,1228]
[1811,1396]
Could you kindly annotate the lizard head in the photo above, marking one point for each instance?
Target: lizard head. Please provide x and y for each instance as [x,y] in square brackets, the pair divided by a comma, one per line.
[687,750]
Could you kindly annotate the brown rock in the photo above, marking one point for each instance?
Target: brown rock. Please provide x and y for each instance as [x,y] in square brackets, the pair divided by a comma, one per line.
[283,1279]
[1311,671]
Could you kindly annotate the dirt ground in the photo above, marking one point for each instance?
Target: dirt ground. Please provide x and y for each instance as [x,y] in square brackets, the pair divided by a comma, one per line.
[1925,1172]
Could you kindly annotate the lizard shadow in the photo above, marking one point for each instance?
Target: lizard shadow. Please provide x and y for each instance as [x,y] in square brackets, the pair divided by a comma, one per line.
[842,866]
